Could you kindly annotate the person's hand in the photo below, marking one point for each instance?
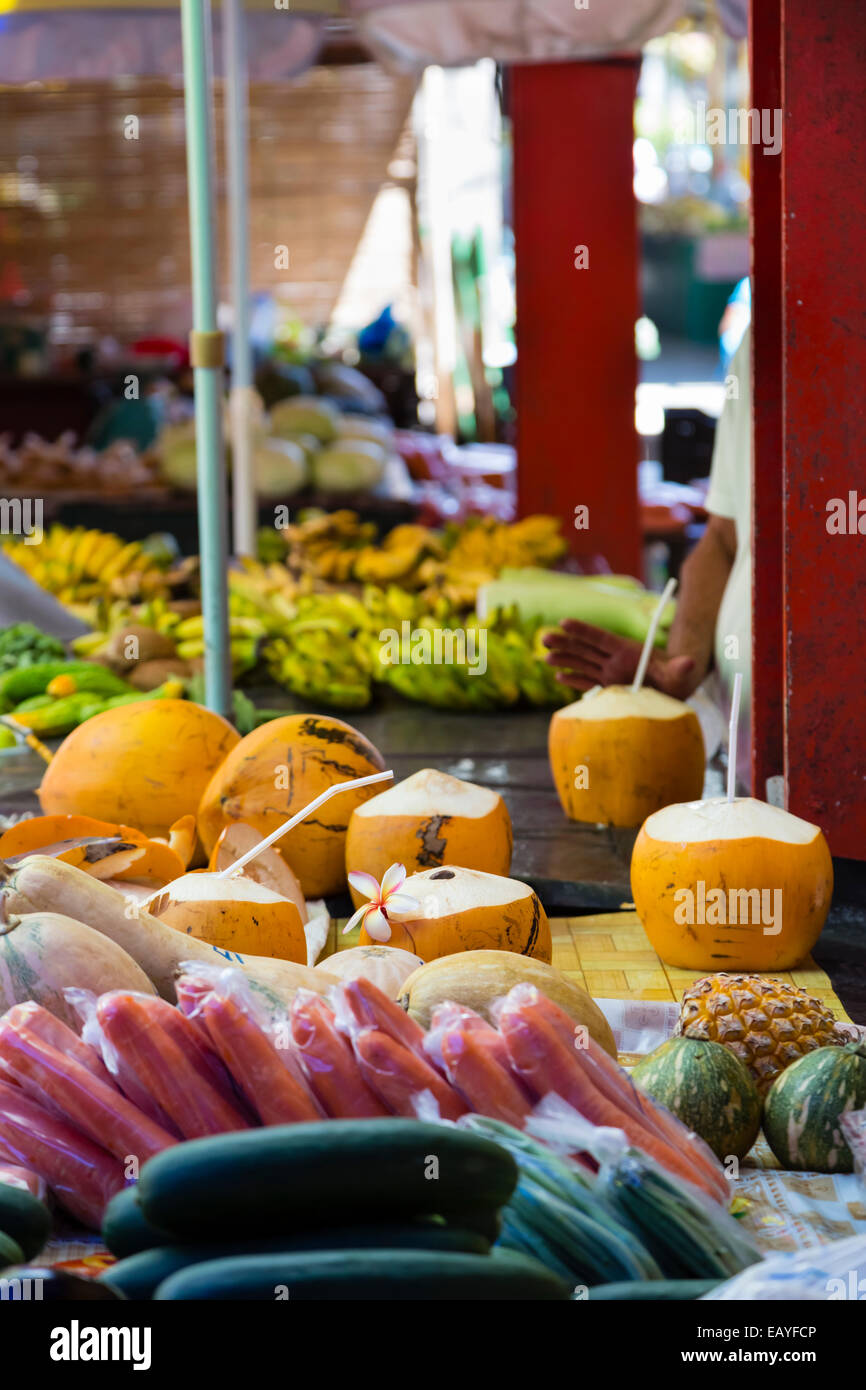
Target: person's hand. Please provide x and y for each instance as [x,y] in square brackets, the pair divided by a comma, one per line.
[590,656]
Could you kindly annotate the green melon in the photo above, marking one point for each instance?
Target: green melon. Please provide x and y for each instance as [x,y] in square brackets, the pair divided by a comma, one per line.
[805,1104]
[708,1088]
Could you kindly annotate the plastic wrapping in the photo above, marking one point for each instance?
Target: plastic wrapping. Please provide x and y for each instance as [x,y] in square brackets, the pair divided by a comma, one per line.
[831,1273]
[361,1004]
[328,1062]
[680,1224]
[854,1130]
[399,1077]
[167,1065]
[12,1175]
[84,1001]
[81,1174]
[540,1042]
[95,1107]
[52,1030]
[473,1056]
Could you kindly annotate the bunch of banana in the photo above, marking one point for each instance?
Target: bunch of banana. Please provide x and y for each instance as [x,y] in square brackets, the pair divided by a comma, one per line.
[485,544]
[79,565]
[320,654]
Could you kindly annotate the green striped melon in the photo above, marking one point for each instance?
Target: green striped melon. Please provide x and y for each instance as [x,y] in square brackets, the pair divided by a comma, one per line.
[708,1088]
[805,1104]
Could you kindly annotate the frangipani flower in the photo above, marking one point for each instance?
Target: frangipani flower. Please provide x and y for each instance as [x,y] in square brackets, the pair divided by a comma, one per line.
[385,900]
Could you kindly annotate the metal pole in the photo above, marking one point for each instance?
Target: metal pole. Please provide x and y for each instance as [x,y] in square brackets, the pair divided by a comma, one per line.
[237,156]
[206,351]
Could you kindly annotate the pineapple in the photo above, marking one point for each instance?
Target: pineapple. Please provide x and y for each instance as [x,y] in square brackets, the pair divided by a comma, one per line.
[767,1023]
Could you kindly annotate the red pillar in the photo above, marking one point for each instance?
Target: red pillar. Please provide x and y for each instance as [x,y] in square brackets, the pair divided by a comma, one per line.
[823,416]
[576,368]
[765,55]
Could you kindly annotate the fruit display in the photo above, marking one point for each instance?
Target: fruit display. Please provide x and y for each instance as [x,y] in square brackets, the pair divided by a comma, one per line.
[441,911]
[706,1086]
[276,770]
[146,764]
[805,1105]
[78,565]
[736,884]
[51,698]
[22,644]
[767,1023]
[428,820]
[618,755]
[39,465]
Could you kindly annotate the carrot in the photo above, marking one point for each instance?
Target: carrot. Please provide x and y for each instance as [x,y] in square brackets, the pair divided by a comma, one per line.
[82,1176]
[53,1030]
[620,1090]
[328,1063]
[450,1015]
[398,1076]
[487,1087]
[163,1069]
[97,1109]
[254,1064]
[362,1002]
[547,1064]
[194,1040]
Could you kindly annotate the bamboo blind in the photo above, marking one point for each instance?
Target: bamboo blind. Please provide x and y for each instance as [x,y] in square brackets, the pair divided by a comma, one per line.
[93,225]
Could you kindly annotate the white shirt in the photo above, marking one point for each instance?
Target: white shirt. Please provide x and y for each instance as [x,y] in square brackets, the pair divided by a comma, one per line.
[730,495]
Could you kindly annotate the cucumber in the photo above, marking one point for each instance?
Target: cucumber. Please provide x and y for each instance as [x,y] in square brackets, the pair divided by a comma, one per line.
[139,1276]
[124,1229]
[365,1275]
[24,1218]
[10,1251]
[660,1290]
[273,1181]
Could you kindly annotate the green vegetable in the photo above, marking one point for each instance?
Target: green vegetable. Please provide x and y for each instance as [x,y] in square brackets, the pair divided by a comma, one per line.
[349,1275]
[124,1228]
[141,1274]
[20,684]
[23,645]
[804,1105]
[616,607]
[334,1171]
[35,702]
[24,1218]
[60,716]
[708,1088]
[7,738]
[657,1290]
[10,1251]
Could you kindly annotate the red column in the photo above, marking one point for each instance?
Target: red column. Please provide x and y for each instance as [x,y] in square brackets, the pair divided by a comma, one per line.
[765,55]
[820,473]
[576,368]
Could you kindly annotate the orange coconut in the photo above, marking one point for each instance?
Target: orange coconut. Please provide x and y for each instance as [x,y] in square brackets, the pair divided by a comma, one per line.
[466,910]
[428,820]
[234,913]
[275,771]
[731,886]
[617,756]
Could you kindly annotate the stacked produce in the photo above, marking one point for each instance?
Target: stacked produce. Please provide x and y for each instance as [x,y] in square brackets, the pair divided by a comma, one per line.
[22,644]
[52,697]
[78,565]
[38,466]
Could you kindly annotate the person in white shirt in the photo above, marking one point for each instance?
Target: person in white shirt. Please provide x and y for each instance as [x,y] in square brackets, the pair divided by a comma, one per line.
[710,639]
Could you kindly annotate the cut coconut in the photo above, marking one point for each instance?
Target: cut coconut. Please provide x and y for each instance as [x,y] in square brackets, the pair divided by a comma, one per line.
[617,755]
[731,885]
[234,914]
[268,868]
[467,910]
[428,820]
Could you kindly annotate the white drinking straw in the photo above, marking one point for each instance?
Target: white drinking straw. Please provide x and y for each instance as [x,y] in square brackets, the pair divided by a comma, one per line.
[732,735]
[296,819]
[651,636]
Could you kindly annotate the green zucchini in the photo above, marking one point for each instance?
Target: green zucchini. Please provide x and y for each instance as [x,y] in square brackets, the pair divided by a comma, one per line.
[653,1290]
[139,1276]
[366,1275]
[10,1251]
[124,1229]
[24,1218]
[283,1178]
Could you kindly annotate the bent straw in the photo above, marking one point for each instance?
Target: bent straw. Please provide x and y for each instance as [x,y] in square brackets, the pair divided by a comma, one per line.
[651,636]
[732,736]
[288,825]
